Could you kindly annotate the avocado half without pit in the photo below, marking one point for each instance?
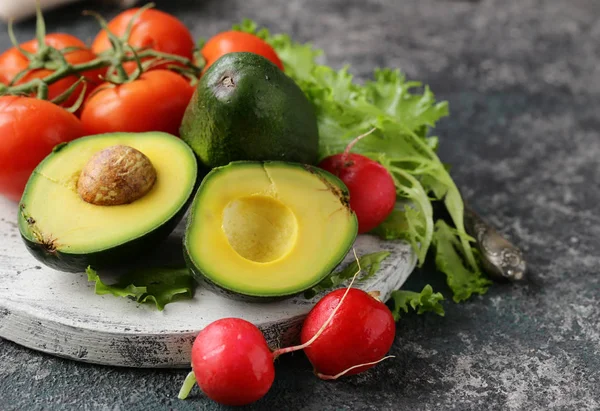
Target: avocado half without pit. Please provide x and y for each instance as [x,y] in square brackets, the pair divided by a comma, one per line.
[263,231]
[102,200]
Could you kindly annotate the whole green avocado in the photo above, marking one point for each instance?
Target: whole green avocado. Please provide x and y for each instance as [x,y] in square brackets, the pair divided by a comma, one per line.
[245,108]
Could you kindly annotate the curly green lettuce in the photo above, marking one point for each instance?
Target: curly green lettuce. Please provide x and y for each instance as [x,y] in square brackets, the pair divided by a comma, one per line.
[423,302]
[369,263]
[449,259]
[403,114]
[160,285]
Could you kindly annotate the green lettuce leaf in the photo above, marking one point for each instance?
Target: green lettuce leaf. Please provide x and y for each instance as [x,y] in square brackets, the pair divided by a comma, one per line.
[369,264]
[396,225]
[425,301]
[402,112]
[450,259]
[298,59]
[160,285]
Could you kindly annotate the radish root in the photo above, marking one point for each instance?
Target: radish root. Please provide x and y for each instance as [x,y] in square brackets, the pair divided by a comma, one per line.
[335,377]
[353,142]
[280,351]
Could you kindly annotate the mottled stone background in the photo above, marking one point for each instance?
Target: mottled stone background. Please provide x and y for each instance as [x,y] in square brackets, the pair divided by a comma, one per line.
[523,81]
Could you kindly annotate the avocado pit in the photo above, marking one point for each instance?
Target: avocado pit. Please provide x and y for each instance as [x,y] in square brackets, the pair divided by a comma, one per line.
[117,175]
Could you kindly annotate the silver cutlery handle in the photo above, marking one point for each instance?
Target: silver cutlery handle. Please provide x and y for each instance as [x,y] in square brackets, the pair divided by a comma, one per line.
[501,259]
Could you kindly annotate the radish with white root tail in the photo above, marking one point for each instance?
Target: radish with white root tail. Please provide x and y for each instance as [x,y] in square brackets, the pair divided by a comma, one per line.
[371,186]
[347,332]
[361,332]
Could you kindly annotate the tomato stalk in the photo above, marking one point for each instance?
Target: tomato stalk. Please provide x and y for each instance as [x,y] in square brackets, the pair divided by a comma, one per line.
[42,90]
[50,58]
[61,98]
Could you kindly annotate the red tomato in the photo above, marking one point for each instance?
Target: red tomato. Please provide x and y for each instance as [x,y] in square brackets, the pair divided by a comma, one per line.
[152,29]
[30,129]
[12,62]
[154,102]
[237,41]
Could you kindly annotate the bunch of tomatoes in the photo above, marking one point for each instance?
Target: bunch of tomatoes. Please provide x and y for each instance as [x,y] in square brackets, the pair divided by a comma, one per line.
[152,99]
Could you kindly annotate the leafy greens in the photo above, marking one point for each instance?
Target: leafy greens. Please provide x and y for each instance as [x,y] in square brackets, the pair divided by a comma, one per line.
[425,301]
[403,112]
[159,285]
[368,262]
[448,260]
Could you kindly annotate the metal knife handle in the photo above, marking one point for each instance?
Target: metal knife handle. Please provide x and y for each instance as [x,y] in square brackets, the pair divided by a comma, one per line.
[501,259]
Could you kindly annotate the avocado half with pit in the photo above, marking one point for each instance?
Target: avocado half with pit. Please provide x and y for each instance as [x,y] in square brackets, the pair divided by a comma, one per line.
[102,200]
[264,231]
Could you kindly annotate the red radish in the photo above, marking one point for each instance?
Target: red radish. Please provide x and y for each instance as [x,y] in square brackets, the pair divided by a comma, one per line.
[347,332]
[371,187]
[233,365]
[232,362]
[361,332]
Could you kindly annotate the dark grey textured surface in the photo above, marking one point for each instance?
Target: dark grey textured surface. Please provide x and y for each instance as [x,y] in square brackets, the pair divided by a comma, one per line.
[523,81]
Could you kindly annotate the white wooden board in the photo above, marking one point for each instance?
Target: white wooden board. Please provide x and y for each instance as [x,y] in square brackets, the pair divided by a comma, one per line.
[58,313]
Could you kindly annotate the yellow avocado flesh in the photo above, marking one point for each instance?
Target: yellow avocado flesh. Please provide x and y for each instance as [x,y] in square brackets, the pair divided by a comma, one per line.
[52,200]
[268,229]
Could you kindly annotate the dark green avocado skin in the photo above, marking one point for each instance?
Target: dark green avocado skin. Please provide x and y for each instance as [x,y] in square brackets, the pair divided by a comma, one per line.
[232,295]
[114,258]
[119,257]
[245,108]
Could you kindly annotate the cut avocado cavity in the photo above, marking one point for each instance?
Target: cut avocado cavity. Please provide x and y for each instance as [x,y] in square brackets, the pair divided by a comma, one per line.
[134,189]
[261,230]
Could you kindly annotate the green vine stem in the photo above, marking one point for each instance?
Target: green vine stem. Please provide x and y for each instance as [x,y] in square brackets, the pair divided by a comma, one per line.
[52,59]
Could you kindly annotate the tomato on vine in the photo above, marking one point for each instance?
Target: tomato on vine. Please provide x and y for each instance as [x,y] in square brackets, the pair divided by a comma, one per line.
[156,101]
[30,129]
[13,62]
[237,41]
[151,29]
